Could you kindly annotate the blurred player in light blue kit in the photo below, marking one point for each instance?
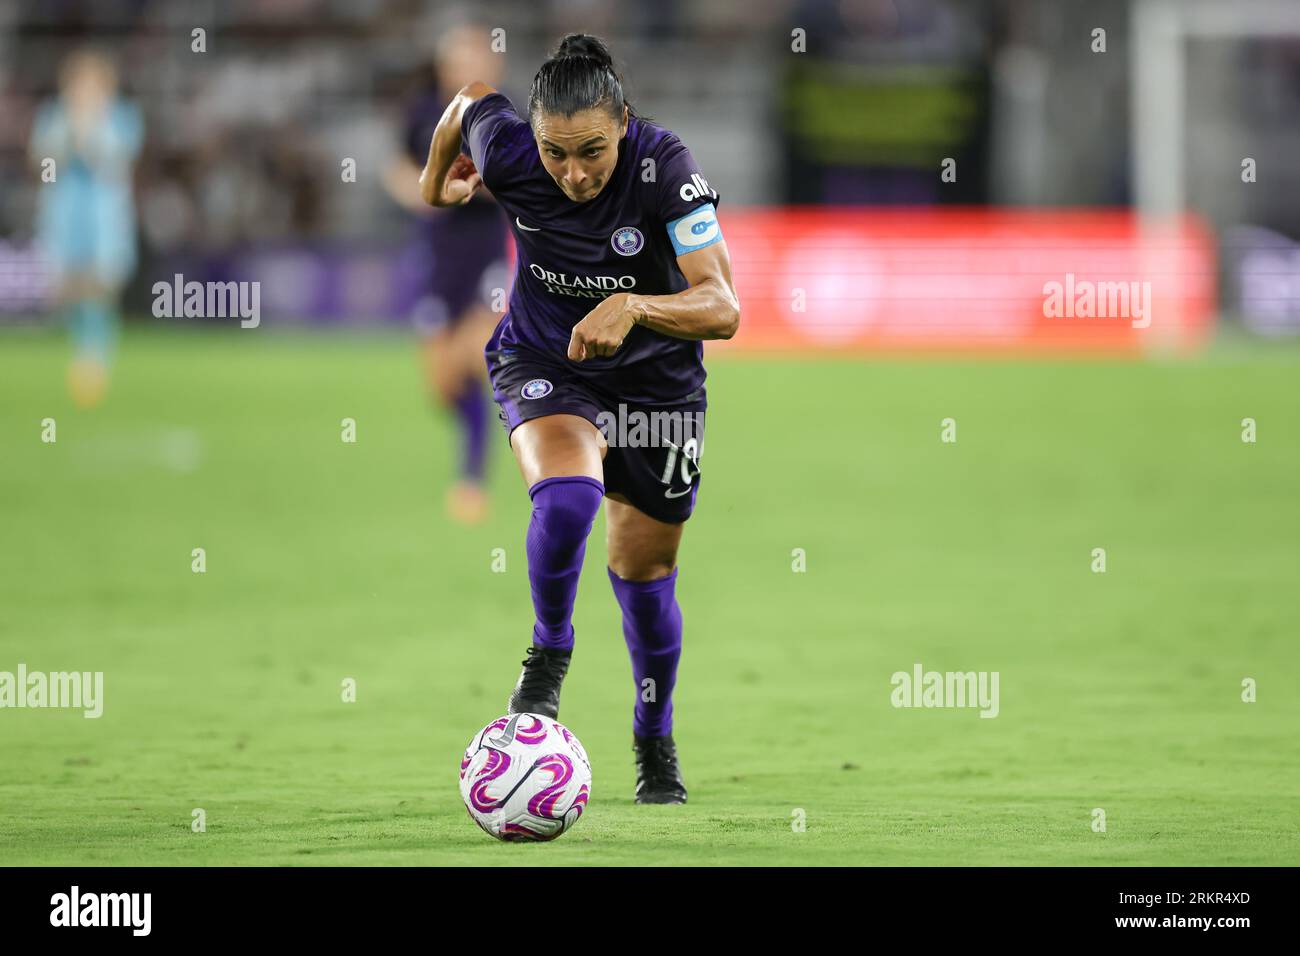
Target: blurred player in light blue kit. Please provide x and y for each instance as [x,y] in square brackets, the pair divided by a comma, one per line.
[83,145]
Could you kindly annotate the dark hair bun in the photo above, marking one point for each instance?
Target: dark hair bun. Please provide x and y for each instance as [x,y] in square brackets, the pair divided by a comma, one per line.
[579,76]
[583,44]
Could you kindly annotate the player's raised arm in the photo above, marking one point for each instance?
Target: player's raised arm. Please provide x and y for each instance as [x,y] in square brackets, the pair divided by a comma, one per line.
[449,178]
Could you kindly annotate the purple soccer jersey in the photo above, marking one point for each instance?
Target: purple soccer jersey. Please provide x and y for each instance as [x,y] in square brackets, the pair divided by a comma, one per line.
[656,206]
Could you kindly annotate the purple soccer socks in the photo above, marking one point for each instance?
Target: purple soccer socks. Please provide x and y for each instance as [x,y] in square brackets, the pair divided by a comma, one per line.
[652,627]
[471,407]
[564,509]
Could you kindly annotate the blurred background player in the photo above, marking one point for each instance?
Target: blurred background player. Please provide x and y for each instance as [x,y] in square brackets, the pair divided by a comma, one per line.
[460,259]
[83,145]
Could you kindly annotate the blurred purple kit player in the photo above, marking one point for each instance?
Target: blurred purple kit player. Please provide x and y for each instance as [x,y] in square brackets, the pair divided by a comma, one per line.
[459,259]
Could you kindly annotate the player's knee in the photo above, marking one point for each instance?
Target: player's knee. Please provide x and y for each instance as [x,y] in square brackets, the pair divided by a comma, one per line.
[441,387]
[566,506]
[641,569]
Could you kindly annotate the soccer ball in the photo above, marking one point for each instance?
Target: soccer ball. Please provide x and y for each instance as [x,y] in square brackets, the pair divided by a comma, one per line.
[525,777]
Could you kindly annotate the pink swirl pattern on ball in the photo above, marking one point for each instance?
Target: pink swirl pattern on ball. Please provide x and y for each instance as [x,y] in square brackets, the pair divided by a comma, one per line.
[518,833]
[580,801]
[531,735]
[497,763]
[543,801]
[564,731]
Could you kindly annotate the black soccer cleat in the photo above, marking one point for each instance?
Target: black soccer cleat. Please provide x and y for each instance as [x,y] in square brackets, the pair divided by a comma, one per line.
[658,778]
[538,688]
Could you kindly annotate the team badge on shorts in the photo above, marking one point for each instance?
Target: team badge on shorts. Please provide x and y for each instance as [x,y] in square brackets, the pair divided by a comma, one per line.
[627,240]
[537,388]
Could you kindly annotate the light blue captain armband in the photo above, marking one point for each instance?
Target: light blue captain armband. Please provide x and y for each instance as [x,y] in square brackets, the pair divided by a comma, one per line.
[695,230]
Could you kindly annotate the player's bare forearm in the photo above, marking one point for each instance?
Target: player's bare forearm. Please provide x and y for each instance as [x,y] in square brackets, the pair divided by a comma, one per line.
[708,310]
[444,147]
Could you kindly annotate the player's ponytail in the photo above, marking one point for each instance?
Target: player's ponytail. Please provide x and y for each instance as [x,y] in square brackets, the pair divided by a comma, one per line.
[579,76]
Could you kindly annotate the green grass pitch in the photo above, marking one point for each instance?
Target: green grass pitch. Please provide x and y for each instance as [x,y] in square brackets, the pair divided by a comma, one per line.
[326,560]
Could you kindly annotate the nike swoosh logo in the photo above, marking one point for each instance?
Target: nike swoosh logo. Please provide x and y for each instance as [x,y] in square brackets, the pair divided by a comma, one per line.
[527,228]
[507,735]
[678,494]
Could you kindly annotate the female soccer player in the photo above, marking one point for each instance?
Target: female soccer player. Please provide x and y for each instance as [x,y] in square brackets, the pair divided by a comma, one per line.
[460,256]
[86,141]
[622,273]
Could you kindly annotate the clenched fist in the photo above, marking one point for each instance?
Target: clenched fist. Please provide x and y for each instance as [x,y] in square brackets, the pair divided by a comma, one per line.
[603,329]
[462,182]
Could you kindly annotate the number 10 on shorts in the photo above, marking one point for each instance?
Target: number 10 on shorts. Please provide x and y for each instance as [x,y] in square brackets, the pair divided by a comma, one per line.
[689,455]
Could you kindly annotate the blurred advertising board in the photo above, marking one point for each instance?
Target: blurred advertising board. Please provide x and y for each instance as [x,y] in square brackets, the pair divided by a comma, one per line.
[969,279]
